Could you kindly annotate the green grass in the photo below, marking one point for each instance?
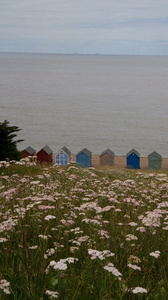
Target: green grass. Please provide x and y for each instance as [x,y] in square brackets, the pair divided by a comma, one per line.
[50,214]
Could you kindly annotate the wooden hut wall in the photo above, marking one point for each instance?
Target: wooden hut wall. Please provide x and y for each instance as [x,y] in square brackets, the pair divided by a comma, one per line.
[106,160]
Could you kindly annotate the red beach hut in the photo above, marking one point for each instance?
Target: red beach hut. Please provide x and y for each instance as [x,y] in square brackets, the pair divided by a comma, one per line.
[45,155]
[29,151]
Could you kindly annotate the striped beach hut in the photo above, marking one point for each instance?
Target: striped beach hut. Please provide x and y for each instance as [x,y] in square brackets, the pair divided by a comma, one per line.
[45,155]
[154,161]
[63,156]
[107,158]
[84,158]
[133,159]
[29,151]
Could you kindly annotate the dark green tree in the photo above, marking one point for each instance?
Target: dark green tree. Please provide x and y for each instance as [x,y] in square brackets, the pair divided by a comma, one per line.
[8,146]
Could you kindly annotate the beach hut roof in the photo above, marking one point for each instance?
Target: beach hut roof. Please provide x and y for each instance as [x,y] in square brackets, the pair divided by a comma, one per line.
[85,151]
[30,150]
[66,151]
[133,151]
[107,151]
[154,153]
[47,150]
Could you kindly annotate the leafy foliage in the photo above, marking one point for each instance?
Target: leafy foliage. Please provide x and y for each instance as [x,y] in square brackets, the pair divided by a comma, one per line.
[8,146]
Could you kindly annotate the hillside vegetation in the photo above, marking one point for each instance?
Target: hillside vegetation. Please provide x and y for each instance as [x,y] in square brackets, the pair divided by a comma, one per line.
[71,233]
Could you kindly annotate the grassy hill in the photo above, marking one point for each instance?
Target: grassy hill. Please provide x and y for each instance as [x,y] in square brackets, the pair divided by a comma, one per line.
[73,233]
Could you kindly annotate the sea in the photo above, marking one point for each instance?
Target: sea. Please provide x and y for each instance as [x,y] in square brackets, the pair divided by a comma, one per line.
[86,101]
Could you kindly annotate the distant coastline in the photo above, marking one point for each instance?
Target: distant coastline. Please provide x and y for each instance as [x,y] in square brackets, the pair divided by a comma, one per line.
[83,54]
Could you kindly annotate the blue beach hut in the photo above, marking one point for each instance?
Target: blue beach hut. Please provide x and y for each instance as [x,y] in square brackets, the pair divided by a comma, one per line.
[83,158]
[133,159]
[63,156]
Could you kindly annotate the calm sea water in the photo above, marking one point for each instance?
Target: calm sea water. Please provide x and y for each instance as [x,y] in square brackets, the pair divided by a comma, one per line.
[97,102]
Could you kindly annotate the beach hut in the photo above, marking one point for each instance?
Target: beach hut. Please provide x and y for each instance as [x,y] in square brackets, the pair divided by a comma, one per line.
[45,155]
[29,151]
[107,158]
[133,159]
[154,161]
[63,156]
[83,158]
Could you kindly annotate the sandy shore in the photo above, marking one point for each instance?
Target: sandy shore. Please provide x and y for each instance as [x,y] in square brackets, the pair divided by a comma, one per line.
[120,161]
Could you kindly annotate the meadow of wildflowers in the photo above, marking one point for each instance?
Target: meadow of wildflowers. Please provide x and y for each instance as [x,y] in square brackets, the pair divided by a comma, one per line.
[86,234]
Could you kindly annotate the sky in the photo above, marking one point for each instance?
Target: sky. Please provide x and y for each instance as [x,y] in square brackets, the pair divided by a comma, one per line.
[117,27]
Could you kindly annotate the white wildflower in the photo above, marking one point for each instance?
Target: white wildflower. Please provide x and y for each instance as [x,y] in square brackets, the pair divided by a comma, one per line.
[44,237]
[3,240]
[62,263]
[33,247]
[152,219]
[134,267]
[35,182]
[4,285]
[165,228]
[110,268]
[141,229]
[49,217]
[70,260]
[133,224]
[58,265]
[104,233]
[99,254]
[49,252]
[139,290]
[107,208]
[52,294]
[83,238]
[130,237]
[93,221]
[155,254]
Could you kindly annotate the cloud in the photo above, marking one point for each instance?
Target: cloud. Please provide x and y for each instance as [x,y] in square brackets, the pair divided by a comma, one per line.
[62,23]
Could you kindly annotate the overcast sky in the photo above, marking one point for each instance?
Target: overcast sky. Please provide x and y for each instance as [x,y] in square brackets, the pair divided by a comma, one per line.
[88,26]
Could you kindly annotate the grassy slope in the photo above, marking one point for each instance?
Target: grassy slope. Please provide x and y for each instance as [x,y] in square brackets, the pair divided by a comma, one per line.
[108,221]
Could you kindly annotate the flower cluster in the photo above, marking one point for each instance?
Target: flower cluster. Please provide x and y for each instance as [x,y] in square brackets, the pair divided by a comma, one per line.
[110,268]
[5,285]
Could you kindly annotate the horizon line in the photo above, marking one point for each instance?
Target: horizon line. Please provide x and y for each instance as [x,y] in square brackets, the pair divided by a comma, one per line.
[78,54]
